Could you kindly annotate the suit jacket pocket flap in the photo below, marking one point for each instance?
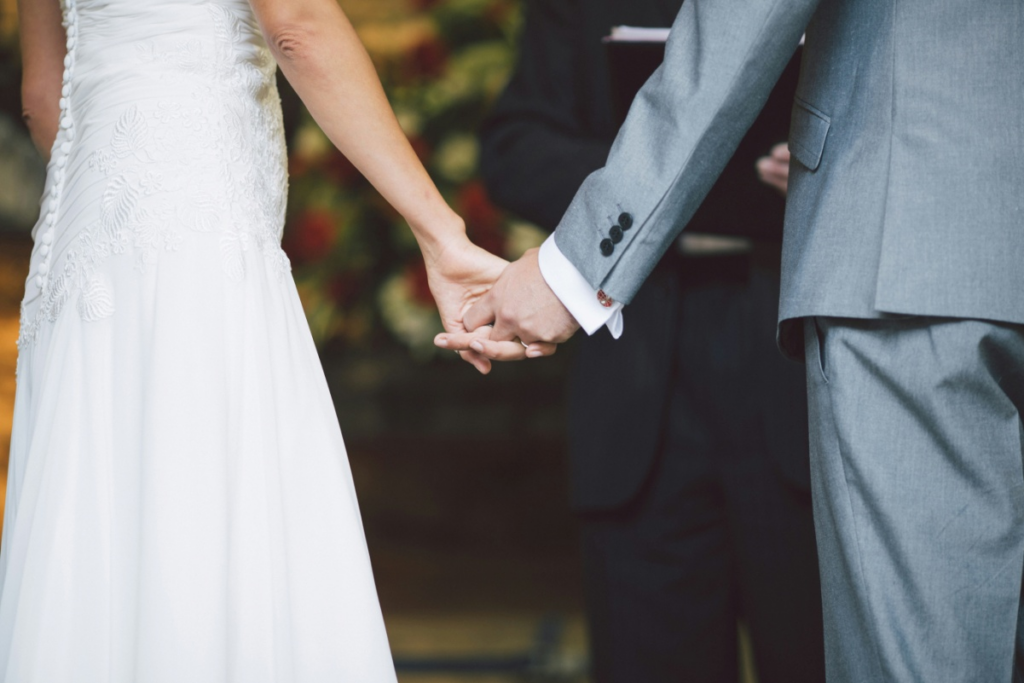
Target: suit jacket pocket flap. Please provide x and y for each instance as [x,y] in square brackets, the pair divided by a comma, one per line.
[807,134]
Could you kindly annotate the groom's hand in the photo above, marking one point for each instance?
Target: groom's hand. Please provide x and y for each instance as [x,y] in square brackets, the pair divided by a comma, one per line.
[521,306]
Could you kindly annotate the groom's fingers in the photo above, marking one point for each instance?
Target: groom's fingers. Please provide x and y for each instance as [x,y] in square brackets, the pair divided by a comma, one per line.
[478,344]
[499,350]
[504,331]
[512,350]
[541,349]
[482,313]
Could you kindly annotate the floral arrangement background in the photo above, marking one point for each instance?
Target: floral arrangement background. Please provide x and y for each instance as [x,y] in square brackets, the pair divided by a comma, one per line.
[358,269]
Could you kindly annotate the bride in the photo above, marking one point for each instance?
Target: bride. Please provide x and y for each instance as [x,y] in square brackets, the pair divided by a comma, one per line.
[179,505]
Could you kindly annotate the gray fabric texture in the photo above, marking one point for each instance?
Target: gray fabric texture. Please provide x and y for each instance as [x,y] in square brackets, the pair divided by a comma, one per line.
[907,190]
[918,490]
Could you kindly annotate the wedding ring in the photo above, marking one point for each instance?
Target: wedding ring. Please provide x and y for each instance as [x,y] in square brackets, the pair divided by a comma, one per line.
[525,345]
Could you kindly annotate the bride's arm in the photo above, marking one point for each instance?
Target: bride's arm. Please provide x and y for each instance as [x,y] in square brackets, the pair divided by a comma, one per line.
[42,56]
[324,60]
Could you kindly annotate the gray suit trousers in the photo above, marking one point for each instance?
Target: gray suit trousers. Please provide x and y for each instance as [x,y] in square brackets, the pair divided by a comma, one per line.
[916,468]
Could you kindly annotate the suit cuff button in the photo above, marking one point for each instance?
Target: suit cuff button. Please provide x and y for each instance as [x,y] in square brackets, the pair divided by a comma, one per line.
[607,247]
[626,220]
[616,234]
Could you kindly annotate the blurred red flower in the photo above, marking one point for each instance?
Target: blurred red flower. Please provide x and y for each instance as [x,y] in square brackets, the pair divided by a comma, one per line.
[500,12]
[424,5]
[344,288]
[422,148]
[483,220]
[297,167]
[339,169]
[419,285]
[426,60]
[310,236]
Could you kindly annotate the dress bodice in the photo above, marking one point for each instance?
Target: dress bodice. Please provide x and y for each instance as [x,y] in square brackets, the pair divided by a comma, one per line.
[122,38]
[170,140]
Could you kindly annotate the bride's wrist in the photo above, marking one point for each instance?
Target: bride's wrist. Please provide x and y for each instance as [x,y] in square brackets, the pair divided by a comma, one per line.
[438,235]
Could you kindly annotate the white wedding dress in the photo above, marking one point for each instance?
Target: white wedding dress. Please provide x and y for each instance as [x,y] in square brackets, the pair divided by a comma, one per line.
[180,507]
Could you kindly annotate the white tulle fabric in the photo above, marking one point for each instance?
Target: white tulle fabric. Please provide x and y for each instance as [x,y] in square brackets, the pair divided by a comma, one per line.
[180,507]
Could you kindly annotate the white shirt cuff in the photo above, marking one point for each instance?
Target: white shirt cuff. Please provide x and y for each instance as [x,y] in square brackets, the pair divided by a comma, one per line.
[576,294]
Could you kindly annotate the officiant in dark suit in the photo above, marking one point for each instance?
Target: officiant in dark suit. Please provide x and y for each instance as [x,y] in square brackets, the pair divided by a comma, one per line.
[692,484]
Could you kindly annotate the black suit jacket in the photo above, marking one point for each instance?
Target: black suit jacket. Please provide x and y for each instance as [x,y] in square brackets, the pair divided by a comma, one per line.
[552,127]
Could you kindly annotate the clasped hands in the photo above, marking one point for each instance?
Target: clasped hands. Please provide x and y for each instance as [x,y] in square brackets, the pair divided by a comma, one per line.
[518,317]
[493,310]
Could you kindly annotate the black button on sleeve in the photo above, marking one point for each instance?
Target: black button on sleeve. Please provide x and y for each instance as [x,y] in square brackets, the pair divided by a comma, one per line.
[607,247]
[626,220]
[616,234]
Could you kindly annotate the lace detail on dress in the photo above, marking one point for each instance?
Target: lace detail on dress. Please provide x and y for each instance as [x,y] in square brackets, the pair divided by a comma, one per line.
[210,163]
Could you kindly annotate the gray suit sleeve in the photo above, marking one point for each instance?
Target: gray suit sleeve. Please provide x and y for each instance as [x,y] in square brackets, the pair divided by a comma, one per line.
[721,62]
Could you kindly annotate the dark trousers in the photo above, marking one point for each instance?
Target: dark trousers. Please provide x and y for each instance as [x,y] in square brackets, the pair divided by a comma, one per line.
[722,529]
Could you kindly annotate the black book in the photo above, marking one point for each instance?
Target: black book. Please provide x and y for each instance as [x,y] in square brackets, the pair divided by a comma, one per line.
[739,203]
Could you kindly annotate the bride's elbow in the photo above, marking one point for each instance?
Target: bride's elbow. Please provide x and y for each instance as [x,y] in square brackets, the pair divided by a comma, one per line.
[40,111]
[37,101]
[292,41]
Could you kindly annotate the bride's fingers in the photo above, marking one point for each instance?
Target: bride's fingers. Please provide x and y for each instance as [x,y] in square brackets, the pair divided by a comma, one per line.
[459,342]
[541,349]
[456,341]
[483,365]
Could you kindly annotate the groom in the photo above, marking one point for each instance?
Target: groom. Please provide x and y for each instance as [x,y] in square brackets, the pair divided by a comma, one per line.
[903,288]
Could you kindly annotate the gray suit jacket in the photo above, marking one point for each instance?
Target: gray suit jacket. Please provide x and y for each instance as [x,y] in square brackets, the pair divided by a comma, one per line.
[908,135]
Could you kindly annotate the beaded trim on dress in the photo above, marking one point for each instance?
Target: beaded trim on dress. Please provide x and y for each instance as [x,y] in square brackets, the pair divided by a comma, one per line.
[59,157]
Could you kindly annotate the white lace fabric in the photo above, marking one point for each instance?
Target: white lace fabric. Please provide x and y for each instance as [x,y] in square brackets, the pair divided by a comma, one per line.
[202,153]
[180,506]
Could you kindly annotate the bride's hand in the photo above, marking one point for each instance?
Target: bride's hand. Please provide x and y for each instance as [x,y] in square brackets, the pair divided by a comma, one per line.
[459,276]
